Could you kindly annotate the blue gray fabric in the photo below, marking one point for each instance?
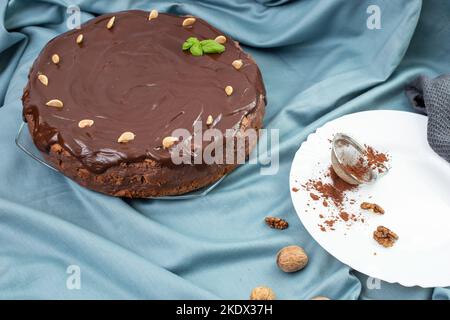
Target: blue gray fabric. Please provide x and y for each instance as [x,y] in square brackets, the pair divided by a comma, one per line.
[319,61]
[432,97]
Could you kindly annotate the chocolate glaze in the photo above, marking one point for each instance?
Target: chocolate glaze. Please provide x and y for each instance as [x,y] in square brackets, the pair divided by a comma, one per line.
[135,77]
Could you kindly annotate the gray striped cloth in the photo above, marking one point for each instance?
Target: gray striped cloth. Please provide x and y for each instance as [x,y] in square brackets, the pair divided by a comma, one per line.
[432,97]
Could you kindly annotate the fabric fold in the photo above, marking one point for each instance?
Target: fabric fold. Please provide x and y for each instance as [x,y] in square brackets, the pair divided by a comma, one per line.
[319,61]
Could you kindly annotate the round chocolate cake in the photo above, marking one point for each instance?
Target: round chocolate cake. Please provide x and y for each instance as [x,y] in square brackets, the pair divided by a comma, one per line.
[102,101]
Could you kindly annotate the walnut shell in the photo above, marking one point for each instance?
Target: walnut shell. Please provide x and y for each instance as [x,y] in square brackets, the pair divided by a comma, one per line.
[292,259]
[262,293]
[320,298]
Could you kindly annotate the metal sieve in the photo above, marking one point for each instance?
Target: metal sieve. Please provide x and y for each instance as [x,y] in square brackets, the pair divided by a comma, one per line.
[346,151]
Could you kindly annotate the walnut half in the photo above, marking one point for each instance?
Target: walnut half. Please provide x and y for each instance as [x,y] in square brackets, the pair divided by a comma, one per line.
[385,237]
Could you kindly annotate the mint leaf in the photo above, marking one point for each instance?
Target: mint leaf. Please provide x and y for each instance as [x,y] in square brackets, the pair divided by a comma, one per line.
[211,46]
[192,39]
[206,41]
[189,43]
[196,49]
[186,45]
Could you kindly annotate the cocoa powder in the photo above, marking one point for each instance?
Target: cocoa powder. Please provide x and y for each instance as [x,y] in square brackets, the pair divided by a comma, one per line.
[376,159]
[344,215]
[314,196]
[360,170]
[332,190]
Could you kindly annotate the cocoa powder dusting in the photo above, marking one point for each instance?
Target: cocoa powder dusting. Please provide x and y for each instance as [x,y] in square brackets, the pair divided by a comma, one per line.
[359,170]
[376,159]
[330,223]
[344,215]
[314,196]
[332,190]
[338,183]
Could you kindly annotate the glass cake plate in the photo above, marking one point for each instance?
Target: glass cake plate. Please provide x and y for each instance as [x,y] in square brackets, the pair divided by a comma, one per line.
[25,143]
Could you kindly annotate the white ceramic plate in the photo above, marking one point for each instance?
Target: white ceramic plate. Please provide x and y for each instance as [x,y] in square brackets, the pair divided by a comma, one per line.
[415,195]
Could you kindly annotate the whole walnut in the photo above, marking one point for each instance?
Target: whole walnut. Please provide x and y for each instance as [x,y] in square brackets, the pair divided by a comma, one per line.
[320,298]
[262,293]
[292,259]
